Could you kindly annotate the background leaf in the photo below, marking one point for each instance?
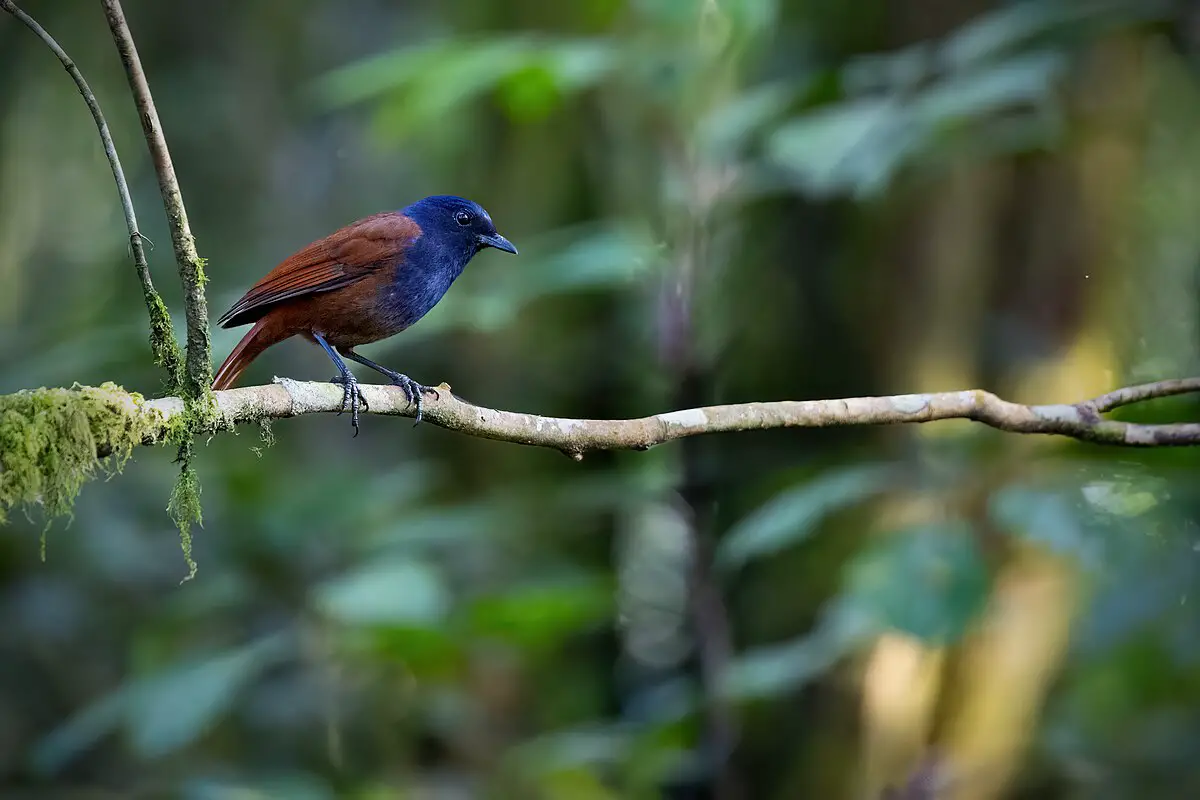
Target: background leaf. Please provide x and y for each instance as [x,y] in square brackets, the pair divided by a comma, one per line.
[929,582]
[392,592]
[793,515]
[168,712]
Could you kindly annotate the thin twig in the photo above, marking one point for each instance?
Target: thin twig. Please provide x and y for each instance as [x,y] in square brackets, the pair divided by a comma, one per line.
[198,375]
[575,437]
[1145,391]
[162,341]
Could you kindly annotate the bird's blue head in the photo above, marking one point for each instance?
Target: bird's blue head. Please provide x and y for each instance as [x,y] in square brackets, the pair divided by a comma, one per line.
[457,227]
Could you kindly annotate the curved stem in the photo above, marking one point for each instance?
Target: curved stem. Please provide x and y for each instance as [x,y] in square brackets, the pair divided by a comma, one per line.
[166,352]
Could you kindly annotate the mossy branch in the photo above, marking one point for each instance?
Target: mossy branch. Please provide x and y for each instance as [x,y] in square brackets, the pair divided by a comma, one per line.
[159,420]
[162,338]
[198,374]
[53,440]
[121,419]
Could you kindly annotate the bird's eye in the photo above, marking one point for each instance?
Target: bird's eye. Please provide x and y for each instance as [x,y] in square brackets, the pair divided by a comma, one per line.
[463,218]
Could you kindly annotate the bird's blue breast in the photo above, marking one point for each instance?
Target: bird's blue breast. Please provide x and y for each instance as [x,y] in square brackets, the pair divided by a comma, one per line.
[420,278]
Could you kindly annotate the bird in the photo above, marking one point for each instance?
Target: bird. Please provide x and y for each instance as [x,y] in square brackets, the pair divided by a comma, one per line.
[365,282]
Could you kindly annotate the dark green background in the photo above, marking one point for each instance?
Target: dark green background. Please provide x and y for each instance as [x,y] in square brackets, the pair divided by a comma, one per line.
[850,197]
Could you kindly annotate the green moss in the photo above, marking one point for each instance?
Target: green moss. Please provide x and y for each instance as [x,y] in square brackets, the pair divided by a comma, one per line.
[51,441]
[193,379]
[184,508]
[199,418]
[162,343]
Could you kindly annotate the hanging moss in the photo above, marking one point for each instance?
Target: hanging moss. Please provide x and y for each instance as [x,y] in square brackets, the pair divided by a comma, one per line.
[199,418]
[51,441]
[184,508]
[184,505]
[266,434]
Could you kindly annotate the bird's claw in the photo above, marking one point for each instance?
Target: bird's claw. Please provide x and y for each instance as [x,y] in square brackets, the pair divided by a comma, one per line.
[352,398]
[414,392]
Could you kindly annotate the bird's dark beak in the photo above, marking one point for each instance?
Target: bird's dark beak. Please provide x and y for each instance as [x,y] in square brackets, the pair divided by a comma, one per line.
[497,241]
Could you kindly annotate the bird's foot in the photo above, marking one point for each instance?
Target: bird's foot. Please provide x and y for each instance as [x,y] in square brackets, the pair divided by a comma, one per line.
[414,392]
[352,398]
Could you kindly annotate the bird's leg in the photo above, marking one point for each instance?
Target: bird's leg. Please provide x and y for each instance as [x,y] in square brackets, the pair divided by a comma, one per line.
[412,390]
[352,395]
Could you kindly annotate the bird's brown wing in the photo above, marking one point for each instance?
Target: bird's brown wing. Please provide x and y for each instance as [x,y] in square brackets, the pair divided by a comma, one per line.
[340,259]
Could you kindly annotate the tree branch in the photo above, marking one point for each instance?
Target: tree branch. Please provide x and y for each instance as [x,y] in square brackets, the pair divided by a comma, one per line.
[162,339]
[574,437]
[68,430]
[198,376]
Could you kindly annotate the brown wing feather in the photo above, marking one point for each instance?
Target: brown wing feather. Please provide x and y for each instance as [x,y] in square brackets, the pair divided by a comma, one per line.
[340,259]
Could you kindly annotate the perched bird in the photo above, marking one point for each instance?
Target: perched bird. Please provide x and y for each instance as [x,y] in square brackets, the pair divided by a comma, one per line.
[362,283]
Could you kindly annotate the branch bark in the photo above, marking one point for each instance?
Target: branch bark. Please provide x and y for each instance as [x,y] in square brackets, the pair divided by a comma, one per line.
[162,338]
[198,375]
[575,437]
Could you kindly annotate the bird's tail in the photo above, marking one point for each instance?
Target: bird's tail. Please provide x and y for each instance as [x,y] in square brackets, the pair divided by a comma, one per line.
[256,340]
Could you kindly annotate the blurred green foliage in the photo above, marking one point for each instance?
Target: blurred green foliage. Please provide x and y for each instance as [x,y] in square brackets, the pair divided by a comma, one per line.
[874,197]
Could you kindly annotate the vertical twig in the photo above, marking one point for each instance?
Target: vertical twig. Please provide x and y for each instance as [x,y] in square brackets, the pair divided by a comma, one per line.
[162,337]
[198,374]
